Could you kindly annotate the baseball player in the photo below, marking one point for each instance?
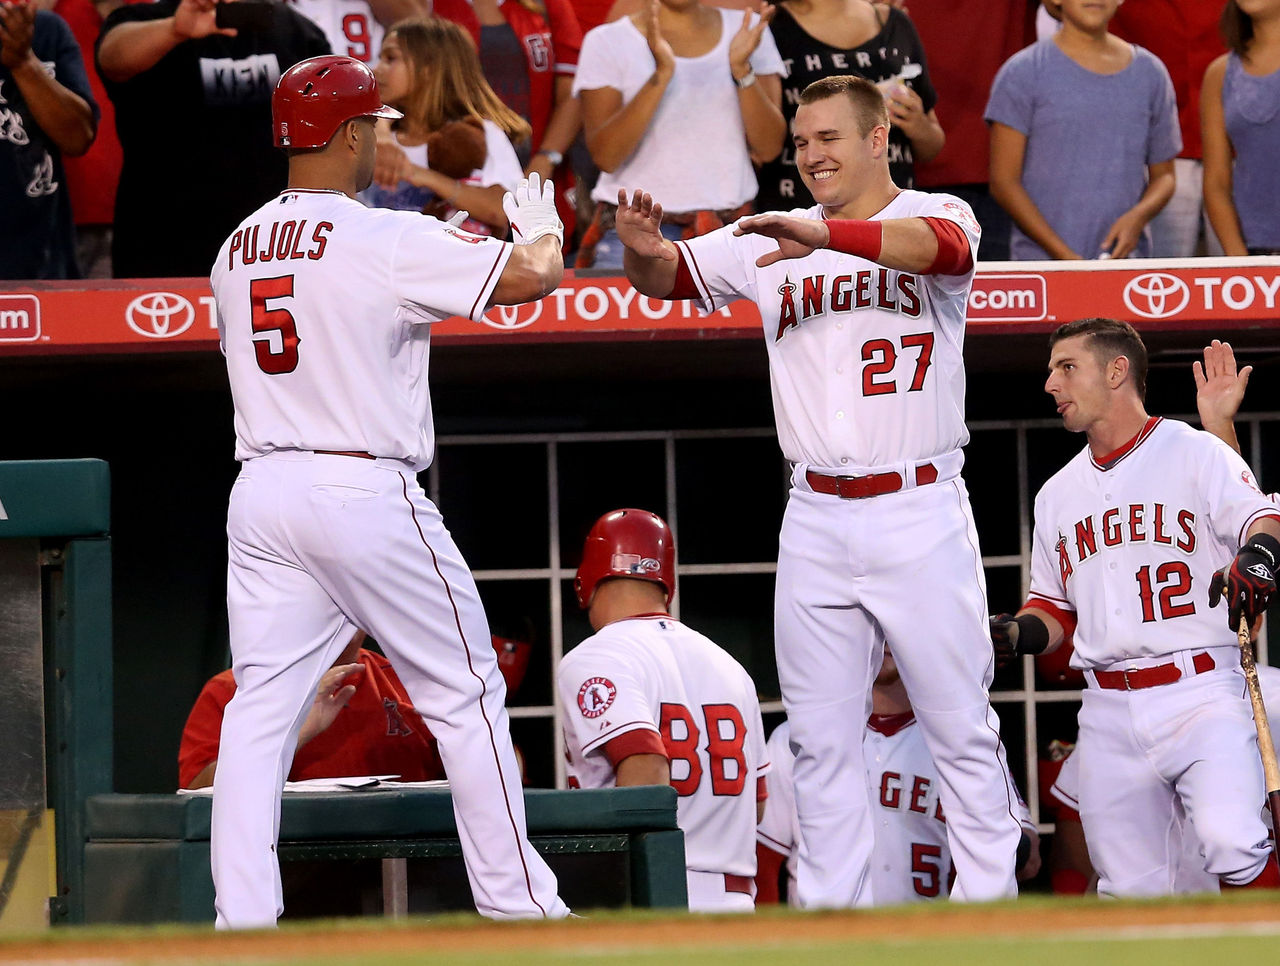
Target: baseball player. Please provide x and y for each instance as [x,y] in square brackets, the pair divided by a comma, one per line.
[1136,540]
[324,315]
[911,859]
[649,701]
[1189,875]
[863,299]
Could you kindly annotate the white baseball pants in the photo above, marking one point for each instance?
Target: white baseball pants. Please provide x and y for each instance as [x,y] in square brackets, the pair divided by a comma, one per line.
[1154,753]
[319,545]
[904,568]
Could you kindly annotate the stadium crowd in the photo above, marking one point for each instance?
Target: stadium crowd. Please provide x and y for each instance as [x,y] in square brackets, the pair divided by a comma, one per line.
[1075,130]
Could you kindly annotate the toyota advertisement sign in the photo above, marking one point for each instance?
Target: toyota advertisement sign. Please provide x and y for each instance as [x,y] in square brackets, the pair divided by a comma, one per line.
[151,315]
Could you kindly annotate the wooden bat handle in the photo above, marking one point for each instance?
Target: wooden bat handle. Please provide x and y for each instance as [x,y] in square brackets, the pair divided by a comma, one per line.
[1266,748]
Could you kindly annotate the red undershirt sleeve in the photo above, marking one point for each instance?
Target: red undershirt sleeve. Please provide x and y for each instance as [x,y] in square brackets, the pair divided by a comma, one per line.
[954,256]
[638,742]
[1064,617]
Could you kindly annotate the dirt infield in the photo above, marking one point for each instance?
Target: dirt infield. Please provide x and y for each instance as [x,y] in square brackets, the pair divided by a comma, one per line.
[1039,919]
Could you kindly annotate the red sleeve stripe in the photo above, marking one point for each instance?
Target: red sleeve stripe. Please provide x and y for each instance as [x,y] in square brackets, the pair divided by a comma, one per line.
[954,255]
[486,289]
[638,742]
[1066,618]
[599,740]
[684,249]
[762,788]
[684,287]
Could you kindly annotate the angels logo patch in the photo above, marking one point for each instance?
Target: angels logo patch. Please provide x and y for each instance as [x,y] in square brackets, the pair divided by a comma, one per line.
[964,215]
[595,696]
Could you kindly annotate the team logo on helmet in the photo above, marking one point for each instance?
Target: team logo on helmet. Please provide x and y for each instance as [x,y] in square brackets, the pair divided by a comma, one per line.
[595,696]
[633,563]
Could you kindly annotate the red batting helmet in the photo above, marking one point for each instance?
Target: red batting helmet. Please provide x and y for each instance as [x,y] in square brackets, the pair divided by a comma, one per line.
[315,97]
[513,659]
[627,543]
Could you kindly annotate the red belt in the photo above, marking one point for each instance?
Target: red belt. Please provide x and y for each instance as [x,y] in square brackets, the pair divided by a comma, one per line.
[738,883]
[877,484]
[338,452]
[1150,677]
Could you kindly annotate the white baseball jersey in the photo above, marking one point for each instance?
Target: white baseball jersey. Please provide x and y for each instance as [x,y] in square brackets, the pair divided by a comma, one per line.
[652,677]
[911,859]
[866,362]
[349,25]
[293,282]
[1130,544]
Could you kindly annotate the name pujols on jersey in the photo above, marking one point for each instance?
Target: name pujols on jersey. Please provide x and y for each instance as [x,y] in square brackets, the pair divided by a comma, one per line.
[283,240]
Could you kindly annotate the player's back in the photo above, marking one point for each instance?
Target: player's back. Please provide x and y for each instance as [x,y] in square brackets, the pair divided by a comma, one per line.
[708,716]
[323,312]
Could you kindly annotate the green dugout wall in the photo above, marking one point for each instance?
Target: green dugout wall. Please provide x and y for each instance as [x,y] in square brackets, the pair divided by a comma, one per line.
[55,646]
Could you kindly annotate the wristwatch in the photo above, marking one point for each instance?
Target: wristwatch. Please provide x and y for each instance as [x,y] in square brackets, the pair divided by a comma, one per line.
[555,157]
[746,80]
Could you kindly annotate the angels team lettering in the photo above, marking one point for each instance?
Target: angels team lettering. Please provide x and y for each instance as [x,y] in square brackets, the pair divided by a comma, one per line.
[879,288]
[897,794]
[1136,523]
[726,734]
[285,240]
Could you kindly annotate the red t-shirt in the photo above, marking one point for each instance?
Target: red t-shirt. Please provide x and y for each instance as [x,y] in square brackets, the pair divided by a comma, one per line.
[965,42]
[550,46]
[1184,35]
[378,733]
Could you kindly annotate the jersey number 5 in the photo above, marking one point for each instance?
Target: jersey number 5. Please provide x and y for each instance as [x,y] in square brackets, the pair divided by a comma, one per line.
[681,737]
[275,334]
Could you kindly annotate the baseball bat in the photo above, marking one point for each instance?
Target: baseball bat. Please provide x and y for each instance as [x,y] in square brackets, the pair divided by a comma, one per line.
[1270,767]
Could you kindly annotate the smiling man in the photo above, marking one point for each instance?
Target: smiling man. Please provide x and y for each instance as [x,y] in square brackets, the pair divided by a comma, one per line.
[1136,540]
[863,302]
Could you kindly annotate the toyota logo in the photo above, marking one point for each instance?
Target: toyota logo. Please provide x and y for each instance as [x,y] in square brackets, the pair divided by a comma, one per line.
[159,315]
[1156,295]
[513,316]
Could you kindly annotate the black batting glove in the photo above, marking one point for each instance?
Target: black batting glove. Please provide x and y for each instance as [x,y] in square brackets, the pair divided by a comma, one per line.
[1012,637]
[1248,581]
[1004,638]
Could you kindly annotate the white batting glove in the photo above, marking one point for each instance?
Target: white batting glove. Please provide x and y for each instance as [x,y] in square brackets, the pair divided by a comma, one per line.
[531,209]
[458,218]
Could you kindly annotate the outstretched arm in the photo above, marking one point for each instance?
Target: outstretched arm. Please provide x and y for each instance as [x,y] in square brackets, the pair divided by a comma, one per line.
[905,244]
[1220,391]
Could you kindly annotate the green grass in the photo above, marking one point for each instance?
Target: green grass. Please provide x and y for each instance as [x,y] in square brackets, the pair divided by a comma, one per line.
[909,936]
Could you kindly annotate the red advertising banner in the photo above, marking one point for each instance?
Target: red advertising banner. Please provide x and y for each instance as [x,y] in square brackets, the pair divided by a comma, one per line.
[148,315]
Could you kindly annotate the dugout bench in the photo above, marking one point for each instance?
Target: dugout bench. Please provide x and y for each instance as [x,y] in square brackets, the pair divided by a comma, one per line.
[147,856]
